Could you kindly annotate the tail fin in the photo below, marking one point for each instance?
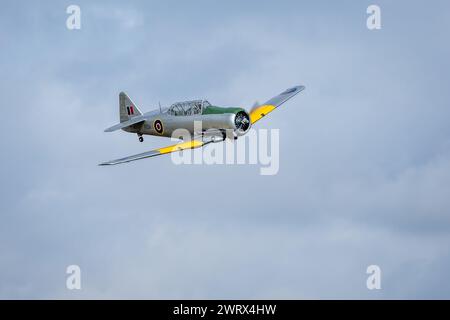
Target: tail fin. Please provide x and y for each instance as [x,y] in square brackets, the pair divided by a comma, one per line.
[127,108]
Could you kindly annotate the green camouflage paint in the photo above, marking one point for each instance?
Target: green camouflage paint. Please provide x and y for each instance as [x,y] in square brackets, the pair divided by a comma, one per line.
[221,110]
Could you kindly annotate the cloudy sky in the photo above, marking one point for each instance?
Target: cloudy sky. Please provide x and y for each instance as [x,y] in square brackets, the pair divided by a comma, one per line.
[364,172]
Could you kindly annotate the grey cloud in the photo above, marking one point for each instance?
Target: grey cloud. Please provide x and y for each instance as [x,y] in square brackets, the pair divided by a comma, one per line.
[365,161]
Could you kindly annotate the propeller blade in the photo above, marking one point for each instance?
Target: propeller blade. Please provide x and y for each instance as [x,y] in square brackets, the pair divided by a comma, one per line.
[255,105]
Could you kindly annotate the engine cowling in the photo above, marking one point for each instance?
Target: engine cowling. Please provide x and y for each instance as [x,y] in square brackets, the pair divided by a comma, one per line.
[242,123]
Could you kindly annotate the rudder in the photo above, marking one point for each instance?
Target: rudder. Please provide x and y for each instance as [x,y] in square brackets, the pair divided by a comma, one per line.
[127,108]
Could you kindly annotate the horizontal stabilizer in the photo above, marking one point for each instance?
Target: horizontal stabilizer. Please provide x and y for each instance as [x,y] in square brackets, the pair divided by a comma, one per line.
[125,124]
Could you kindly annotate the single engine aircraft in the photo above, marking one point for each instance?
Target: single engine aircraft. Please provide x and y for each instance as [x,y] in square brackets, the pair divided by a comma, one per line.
[215,122]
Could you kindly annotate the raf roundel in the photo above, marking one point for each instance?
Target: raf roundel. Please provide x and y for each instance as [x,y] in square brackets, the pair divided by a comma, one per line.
[158,126]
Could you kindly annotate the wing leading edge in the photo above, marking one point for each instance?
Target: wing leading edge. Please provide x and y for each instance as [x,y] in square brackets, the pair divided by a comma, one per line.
[192,144]
[260,111]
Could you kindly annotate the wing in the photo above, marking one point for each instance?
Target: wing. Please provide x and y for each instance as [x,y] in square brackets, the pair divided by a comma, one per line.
[192,144]
[262,110]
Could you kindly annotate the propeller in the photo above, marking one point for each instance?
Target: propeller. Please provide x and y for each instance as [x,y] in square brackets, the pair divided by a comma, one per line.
[242,121]
[255,105]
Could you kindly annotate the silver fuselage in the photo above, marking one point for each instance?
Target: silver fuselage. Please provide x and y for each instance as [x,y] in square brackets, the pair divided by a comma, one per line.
[192,123]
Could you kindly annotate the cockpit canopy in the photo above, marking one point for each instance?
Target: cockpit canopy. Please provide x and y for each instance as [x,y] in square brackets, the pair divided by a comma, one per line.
[188,108]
